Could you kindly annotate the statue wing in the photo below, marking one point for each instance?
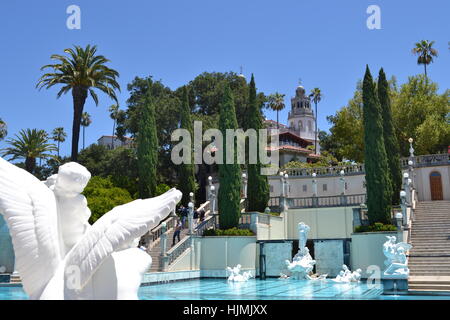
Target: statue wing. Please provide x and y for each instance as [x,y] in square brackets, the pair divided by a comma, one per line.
[117,229]
[29,208]
[403,245]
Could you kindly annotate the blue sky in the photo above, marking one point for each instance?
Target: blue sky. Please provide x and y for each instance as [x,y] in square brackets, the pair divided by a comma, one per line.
[324,42]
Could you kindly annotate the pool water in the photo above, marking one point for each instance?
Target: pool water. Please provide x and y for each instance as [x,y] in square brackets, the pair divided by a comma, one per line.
[270,289]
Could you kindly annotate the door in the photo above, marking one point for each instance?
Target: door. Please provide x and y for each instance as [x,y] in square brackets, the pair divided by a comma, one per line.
[436,186]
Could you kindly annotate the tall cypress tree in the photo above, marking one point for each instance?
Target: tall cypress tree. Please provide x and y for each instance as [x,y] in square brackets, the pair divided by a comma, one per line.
[186,182]
[378,185]
[229,174]
[258,187]
[390,138]
[147,149]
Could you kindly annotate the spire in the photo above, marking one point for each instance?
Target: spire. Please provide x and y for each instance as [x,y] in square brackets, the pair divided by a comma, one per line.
[241,74]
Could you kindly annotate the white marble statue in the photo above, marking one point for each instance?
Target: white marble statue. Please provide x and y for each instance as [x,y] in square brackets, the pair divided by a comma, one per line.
[59,255]
[396,262]
[235,274]
[303,231]
[302,264]
[345,275]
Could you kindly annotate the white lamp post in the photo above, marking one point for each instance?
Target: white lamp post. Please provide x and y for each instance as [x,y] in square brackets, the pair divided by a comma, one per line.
[244,183]
[342,180]
[190,217]
[213,199]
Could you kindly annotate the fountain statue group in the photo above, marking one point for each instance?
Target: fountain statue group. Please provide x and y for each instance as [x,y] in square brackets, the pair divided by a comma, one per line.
[345,275]
[396,262]
[59,255]
[302,264]
[236,276]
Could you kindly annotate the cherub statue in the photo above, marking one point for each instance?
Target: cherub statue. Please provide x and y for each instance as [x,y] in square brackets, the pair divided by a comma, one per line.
[345,275]
[396,262]
[235,274]
[59,255]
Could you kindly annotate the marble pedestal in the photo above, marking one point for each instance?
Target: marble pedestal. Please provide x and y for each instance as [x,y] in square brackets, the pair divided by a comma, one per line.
[397,284]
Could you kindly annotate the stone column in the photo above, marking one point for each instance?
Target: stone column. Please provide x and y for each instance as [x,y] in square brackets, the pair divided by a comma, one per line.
[411,161]
[406,187]
[244,185]
[314,190]
[163,245]
[190,218]
[403,206]
[213,200]
[342,182]
[286,191]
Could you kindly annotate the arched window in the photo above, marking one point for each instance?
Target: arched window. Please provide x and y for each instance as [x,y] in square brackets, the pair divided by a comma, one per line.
[300,125]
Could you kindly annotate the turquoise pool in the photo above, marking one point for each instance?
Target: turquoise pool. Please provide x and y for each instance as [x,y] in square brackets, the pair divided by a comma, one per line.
[270,289]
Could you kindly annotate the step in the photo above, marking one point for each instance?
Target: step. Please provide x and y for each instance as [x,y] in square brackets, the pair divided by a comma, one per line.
[429,287]
[428,268]
[433,273]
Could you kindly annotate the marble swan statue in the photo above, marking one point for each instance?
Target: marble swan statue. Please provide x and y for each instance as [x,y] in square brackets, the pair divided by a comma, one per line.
[59,255]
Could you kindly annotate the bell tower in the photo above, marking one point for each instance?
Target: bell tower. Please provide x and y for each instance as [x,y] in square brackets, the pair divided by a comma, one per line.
[301,118]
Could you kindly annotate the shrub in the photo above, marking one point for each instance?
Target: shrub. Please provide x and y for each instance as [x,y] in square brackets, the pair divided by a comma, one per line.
[376,227]
[102,196]
[161,188]
[228,232]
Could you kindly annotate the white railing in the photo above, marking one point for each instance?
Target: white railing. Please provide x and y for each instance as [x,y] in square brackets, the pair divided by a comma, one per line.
[427,160]
[326,171]
[319,202]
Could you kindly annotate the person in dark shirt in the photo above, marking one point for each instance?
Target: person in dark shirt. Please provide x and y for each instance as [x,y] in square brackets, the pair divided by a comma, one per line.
[177,232]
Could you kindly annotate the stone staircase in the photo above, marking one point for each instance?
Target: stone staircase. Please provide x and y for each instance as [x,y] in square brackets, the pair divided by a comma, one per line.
[429,260]
[15,279]
[155,250]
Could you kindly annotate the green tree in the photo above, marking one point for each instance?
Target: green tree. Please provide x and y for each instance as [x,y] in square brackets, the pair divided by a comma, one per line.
[3,129]
[379,192]
[186,182]
[147,150]
[346,140]
[425,51]
[29,144]
[276,103]
[85,122]
[417,105]
[390,138]
[316,96]
[81,72]
[102,196]
[229,174]
[113,114]
[167,120]
[59,135]
[258,187]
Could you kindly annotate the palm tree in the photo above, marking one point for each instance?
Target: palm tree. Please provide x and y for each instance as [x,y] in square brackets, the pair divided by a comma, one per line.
[113,113]
[59,135]
[30,144]
[3,129]
[316,96]
[276,103]
[424,49]
[81,72]
[85,122]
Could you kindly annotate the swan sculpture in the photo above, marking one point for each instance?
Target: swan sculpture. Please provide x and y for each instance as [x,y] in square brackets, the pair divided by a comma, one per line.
[59,255]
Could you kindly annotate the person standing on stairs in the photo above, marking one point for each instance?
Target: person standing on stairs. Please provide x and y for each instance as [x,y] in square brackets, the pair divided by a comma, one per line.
[176,234]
